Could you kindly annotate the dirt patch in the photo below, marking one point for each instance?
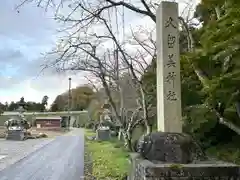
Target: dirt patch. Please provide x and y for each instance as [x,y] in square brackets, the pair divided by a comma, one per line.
[50,133]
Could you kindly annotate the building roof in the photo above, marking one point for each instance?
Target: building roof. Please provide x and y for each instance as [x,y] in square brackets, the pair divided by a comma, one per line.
[60,113]
[49,117]
[9,113]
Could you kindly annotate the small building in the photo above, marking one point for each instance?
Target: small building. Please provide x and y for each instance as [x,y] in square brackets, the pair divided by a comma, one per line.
[48,122]
[6,115]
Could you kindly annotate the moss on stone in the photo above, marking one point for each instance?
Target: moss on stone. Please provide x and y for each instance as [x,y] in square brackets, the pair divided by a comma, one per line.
[176,166]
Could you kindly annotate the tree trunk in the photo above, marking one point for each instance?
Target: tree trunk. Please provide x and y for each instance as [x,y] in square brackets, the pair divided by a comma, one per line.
[133,122]
[121,134]
[149,129]
[128,140]
[225,122]
[218,12]
[230,125]
[191,47]
[113,105]
[145,111]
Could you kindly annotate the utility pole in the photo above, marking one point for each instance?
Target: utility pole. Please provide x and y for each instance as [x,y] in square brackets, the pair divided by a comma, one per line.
[116,68]
[69,101]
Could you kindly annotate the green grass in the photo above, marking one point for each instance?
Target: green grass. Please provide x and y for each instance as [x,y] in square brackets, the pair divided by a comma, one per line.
[110,160]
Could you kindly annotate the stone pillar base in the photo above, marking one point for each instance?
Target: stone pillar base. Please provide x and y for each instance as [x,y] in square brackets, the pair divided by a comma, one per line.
[204,170]
[175,156]
[170,147]
[103,134]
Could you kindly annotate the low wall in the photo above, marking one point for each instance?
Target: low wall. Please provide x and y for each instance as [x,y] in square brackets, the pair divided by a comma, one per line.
[142,169]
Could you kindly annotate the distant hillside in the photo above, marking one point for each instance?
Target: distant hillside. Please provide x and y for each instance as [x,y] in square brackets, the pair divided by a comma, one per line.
[84,97]
[80,98]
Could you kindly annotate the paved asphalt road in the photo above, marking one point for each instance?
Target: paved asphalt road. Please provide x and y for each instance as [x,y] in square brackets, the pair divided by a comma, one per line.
[61,159]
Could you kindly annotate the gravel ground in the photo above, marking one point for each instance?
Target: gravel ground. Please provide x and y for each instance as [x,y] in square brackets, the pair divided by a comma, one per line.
[16,150]
[44,159]
[13,151]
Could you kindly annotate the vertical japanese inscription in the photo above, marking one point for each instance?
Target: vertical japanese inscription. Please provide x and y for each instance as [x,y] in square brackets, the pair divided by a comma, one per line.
[170,78]
[168,71]
[171,63]
[171,39]
[170,22]
[171,96]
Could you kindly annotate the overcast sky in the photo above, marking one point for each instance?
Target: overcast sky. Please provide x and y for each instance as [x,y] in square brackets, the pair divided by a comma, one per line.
[23,36]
